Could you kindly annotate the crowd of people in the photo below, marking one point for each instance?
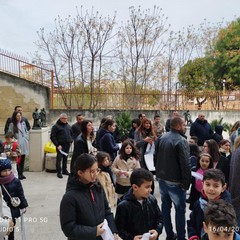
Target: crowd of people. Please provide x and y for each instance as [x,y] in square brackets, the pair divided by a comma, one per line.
[13,151]
[106,173]
[125,171]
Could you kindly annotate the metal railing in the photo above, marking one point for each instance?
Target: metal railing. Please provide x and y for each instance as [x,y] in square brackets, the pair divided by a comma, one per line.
[19,66]
[116,98]
[180,100]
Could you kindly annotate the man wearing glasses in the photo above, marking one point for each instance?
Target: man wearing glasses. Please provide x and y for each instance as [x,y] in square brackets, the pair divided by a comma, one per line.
[61,136]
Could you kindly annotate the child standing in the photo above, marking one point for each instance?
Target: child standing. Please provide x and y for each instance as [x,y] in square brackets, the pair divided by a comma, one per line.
[12,151]
[13,187]
[138,212]
[123,166]
[105,177]
[84,205]
[204,163]
[214,188]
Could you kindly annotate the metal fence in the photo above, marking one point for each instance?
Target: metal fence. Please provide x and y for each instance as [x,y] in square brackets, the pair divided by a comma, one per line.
[19,66]
[115,98]
[180,100]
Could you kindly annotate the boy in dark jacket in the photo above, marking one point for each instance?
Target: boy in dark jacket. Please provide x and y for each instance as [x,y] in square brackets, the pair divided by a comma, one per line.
[138,213]
[220,221]
[214,188]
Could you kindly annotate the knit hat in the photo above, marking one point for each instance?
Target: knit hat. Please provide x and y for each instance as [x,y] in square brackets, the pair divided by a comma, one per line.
[5,164]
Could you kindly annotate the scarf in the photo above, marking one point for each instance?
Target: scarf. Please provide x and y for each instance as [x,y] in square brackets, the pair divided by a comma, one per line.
[8,179]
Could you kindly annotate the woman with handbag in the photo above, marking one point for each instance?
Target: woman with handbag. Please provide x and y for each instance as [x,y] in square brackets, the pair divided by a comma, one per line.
[19,129]
[12,192]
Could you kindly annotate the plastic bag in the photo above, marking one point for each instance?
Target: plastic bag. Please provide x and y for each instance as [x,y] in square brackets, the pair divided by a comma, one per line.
[50,147]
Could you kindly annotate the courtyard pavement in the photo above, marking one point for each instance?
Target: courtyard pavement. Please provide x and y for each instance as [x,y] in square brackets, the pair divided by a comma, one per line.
[44,192]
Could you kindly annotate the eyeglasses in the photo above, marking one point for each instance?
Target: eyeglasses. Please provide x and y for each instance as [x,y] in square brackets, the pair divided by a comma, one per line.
[94,171]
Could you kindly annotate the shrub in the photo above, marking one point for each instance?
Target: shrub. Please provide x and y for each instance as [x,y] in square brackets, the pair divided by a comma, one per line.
[124,122]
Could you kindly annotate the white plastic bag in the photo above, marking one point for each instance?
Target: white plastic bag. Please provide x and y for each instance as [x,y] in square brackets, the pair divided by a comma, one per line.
[148,157]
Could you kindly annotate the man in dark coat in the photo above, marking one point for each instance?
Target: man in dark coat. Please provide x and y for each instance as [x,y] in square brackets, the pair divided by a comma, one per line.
[201,129]
[76,127]
[61,136]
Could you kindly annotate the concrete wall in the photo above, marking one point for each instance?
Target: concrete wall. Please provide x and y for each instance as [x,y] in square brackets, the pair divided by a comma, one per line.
[16,91]
[97,115]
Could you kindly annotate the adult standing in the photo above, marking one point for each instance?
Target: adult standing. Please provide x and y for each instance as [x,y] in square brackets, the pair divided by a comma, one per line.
[83,143]
[143,136]
[219,161]
[76,127]
[84,207]
[173,169]
[225,149]
[217,136]
[141,116]
[106,139]
[135,124]
[61,136]
[167,124]
[234,132]
[157,126]
[20,132]
[9,120]
[234,178]
[201,129]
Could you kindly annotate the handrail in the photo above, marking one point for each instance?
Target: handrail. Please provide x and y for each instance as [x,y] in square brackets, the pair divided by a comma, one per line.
[19,66]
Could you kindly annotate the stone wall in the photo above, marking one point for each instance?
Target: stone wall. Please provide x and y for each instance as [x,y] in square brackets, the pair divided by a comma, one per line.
[17,91]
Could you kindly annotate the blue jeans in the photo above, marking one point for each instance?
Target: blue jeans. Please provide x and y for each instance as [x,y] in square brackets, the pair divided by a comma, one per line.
[171,193]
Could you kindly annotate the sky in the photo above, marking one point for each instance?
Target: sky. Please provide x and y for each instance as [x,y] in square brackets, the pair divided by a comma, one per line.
[20,20]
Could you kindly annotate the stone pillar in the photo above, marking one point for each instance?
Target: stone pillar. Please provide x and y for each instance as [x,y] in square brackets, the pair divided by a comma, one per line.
[37,140]
[187,132]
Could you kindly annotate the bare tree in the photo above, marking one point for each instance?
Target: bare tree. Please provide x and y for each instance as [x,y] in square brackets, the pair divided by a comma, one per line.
[140,45]
[76,49]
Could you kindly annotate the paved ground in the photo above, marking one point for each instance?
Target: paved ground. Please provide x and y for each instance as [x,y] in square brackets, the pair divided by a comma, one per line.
[44,192]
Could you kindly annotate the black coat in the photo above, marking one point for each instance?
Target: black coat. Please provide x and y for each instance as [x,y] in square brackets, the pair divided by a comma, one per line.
[202,130]
[172,159]
[80,146]
[224,165]
[81,211]
[15,189]
[61,133]
[133,219]
[107,143]
[76,130]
